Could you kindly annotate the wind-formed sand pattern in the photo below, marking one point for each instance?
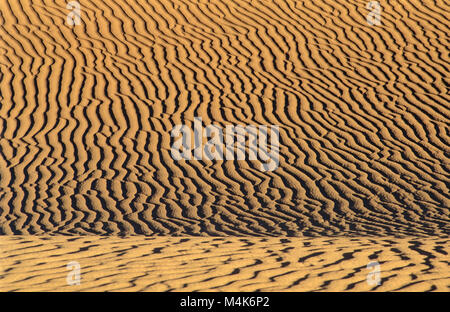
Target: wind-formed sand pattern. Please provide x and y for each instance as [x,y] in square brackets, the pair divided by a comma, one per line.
[86,113]
[139,263]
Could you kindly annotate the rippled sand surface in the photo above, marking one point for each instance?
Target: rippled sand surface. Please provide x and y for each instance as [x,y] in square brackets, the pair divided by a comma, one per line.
[86,113]
[223,264]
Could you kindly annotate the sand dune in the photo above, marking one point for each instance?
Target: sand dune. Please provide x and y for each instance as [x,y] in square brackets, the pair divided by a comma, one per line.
[86,113]
[223,264]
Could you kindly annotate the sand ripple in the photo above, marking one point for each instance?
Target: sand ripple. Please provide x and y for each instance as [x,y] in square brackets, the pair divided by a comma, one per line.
[223,264]
[86,113]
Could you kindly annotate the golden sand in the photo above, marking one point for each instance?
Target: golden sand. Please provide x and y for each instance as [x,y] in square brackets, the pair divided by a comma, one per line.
[223,264]
[86,113]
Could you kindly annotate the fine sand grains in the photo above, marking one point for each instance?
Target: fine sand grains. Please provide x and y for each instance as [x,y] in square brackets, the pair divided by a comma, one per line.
[223,264]
[86,113]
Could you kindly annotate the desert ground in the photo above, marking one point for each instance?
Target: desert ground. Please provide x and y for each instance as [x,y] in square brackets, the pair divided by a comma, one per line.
[89,96]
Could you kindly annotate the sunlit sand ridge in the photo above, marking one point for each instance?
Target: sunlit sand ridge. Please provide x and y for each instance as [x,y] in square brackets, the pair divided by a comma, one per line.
[86,113]
[223,264]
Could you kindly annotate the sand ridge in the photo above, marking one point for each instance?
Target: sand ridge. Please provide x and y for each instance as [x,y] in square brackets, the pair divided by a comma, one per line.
[174,264]
[86,113]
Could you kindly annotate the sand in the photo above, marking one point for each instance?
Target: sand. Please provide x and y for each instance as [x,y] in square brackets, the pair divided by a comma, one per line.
[86,113]
[139,263]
